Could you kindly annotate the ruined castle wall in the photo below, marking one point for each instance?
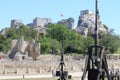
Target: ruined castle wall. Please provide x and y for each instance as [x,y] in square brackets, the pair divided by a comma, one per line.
[47,64]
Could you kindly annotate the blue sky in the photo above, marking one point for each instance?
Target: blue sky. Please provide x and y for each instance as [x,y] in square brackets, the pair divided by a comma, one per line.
[27,10]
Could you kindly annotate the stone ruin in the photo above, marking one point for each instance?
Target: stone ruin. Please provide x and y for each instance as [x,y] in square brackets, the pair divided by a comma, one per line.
[22,49]
[47,64]
[44,64]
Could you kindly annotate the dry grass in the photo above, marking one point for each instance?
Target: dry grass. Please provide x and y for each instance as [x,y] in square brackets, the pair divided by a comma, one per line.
[41,79]
[34,79]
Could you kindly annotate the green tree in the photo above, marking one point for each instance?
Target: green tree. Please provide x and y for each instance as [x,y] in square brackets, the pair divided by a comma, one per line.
[73,42]
[15,33]
[56,31]
[4,44]
[105,26]
[1,38]
[23,30]
[49,45]
[111,43]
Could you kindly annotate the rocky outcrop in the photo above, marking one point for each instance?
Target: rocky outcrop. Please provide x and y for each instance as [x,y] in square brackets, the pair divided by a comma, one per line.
[3,31]
[69,23]
[40,24]
[33,49]
[86,24]
[16,23]
[18,46]
[24,48]
[3,55]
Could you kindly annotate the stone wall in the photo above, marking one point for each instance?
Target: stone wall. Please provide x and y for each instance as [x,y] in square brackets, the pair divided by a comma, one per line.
[31,67]
[44,64]
[47,64]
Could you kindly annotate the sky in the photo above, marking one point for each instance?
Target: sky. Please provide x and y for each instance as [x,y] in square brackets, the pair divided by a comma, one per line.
[27,10]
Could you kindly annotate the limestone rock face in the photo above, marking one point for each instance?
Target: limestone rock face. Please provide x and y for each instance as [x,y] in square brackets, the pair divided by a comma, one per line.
[33,49]
[24,48]
[3,31]
[69,23]
[16,23]
[40,22]
[18,46]
[86,24]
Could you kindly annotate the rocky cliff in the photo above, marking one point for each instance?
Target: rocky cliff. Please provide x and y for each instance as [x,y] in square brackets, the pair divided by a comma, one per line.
[86,24]
[69,23]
